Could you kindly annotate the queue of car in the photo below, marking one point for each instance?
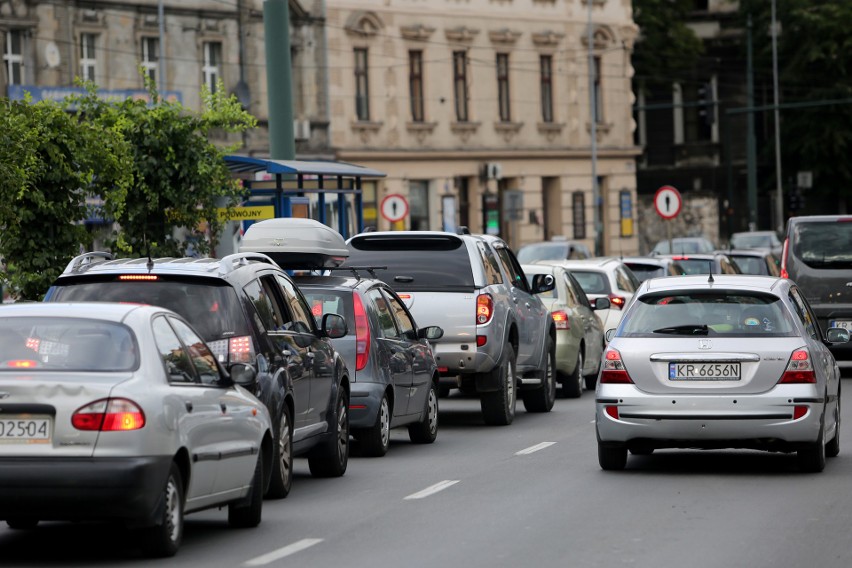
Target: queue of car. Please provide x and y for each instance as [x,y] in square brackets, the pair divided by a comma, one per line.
[198,381]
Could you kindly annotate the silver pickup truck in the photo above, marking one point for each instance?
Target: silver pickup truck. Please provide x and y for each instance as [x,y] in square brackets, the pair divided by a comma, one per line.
[499,338]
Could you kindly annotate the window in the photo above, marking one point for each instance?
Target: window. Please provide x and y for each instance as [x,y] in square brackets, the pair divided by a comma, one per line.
[598,90]
[489,264]
[13,57]
[415,84]
[362,85]
[418,200]
[88,60]
[578,212]
[503,87]
[150,56]
[302,318]
[546,88]
[212,67]
[406,324]
[202,358]
[175,358]
[386,322]
[697,118]
[512,268]
[460,85]
[267,316]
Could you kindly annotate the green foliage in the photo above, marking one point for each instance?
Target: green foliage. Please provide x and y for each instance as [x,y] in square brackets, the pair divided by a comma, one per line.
[54,161]
[666,50]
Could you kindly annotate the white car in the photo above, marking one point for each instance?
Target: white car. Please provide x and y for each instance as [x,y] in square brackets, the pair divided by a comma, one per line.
[603,278]
[120,412]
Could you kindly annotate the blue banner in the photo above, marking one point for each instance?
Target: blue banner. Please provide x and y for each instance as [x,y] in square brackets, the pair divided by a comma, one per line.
[18,92]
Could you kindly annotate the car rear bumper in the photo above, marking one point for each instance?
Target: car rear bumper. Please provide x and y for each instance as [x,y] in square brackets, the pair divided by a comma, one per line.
[464,358]
[762,421]
[127,489]
[567,347]
[364,400]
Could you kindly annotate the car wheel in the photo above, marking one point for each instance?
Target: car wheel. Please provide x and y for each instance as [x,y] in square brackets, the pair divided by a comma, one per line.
[498,407]
[812,458]
[282,456]
[22,523]
[332,458]
[542,398]
[375,440]
[642,451]
[244,514]
[572,386]
[163,539]
[832,449]
[425,431]
[611,457]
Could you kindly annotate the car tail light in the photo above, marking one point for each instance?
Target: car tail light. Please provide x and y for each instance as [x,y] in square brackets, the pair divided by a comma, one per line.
[233,350]
[799,369]
[784,273]
[362,334]
[617,301]
[22,363]
[613,371]
[109,414]
[560,318]
[680,258]
[484,309]
[481,340]
[139,277]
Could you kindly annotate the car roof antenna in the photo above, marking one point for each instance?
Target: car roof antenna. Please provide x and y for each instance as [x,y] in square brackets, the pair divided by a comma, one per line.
[710,279]
[150,264]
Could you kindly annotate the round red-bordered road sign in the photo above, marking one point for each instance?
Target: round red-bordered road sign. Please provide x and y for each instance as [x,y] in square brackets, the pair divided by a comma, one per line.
[394,207]
[667,202]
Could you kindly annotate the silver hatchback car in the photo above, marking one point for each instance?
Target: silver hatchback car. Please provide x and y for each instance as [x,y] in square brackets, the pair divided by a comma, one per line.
[719,361]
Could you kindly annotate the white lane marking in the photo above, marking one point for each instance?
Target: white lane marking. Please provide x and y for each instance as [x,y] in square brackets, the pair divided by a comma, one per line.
[431,490]
[270,557]
[532,449]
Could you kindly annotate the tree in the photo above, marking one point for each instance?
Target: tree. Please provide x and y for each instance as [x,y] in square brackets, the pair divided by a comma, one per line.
[667,50]
[54,162]
[178,176]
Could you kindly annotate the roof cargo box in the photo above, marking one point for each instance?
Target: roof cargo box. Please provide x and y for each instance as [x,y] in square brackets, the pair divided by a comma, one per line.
[296,243]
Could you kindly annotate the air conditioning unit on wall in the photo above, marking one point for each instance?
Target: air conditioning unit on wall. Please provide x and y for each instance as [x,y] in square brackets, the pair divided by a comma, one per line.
[301,129]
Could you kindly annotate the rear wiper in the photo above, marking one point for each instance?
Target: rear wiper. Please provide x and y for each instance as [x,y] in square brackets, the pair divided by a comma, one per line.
[684,330]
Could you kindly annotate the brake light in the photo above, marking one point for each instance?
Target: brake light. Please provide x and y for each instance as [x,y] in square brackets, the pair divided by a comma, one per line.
[680,258]
[799,369]
[617,301]
[362,334]
[784,273]
[138,277]
[109,414]
[22,364]
[560,318]
[233,350]
[613,371]
[484,309]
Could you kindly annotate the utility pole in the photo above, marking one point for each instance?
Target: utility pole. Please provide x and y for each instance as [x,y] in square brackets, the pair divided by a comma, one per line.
[594,134]
[751,144]
[279,70]
[161,49]
[779,190]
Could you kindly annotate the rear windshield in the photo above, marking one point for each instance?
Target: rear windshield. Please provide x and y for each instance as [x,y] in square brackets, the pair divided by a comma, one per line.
[323,301]
[213,311]
[544,251]
[753,241]
[823,245]
[415,264]
[646,271]
[592,282]
[751,264]
[698,266]
[66,344]
[708,314]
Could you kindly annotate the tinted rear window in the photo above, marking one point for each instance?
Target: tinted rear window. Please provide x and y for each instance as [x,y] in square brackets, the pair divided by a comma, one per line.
[751,264]
[592,282]
[823,245]
[213,311]
[66,344]
[708,314]
[646,271]
[698,266]
[415,264]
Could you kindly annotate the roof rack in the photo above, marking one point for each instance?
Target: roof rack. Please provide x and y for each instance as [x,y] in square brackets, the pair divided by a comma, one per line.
[86,258]
[354,269]
[232,261]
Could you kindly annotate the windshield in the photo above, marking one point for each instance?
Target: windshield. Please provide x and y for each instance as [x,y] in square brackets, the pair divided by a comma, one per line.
[213,311]
[705,313]
[824,245]
[66,344]
[753,241]
[592,282]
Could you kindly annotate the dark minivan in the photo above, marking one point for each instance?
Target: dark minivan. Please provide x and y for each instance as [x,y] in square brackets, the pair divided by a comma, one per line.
[818,257]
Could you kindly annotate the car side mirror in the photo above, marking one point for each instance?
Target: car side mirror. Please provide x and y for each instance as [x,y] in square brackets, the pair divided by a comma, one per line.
[334,326]
[602,304]
[610,333]
[243,374]
[543,283]
[837,335]
[431,333]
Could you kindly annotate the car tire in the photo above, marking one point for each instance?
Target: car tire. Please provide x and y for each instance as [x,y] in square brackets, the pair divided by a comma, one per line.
[282,458]
[832,449]
[375,440]
[591,381]
[611,457]
[542,398]
[244,514]
[163,539]
[426,430]
[22,523]
[642,451]
[573,384]
[498,407]
[812,458]
[444,391]
[331,459]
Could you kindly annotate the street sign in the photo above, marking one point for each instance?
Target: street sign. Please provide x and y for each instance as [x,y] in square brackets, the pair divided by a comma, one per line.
[668,202]
[394,207]
[246,213]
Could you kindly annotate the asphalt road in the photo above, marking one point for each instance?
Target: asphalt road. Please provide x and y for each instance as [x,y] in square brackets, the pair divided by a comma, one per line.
[527,495]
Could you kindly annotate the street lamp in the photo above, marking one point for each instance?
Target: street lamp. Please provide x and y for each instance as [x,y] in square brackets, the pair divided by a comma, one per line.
[594,133]
[779,191]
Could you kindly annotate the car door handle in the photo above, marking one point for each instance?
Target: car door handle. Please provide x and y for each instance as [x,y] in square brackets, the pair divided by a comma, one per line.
[188,405]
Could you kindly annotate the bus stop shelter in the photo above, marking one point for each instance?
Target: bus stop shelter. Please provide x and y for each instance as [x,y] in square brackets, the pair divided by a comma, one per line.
[294,186]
